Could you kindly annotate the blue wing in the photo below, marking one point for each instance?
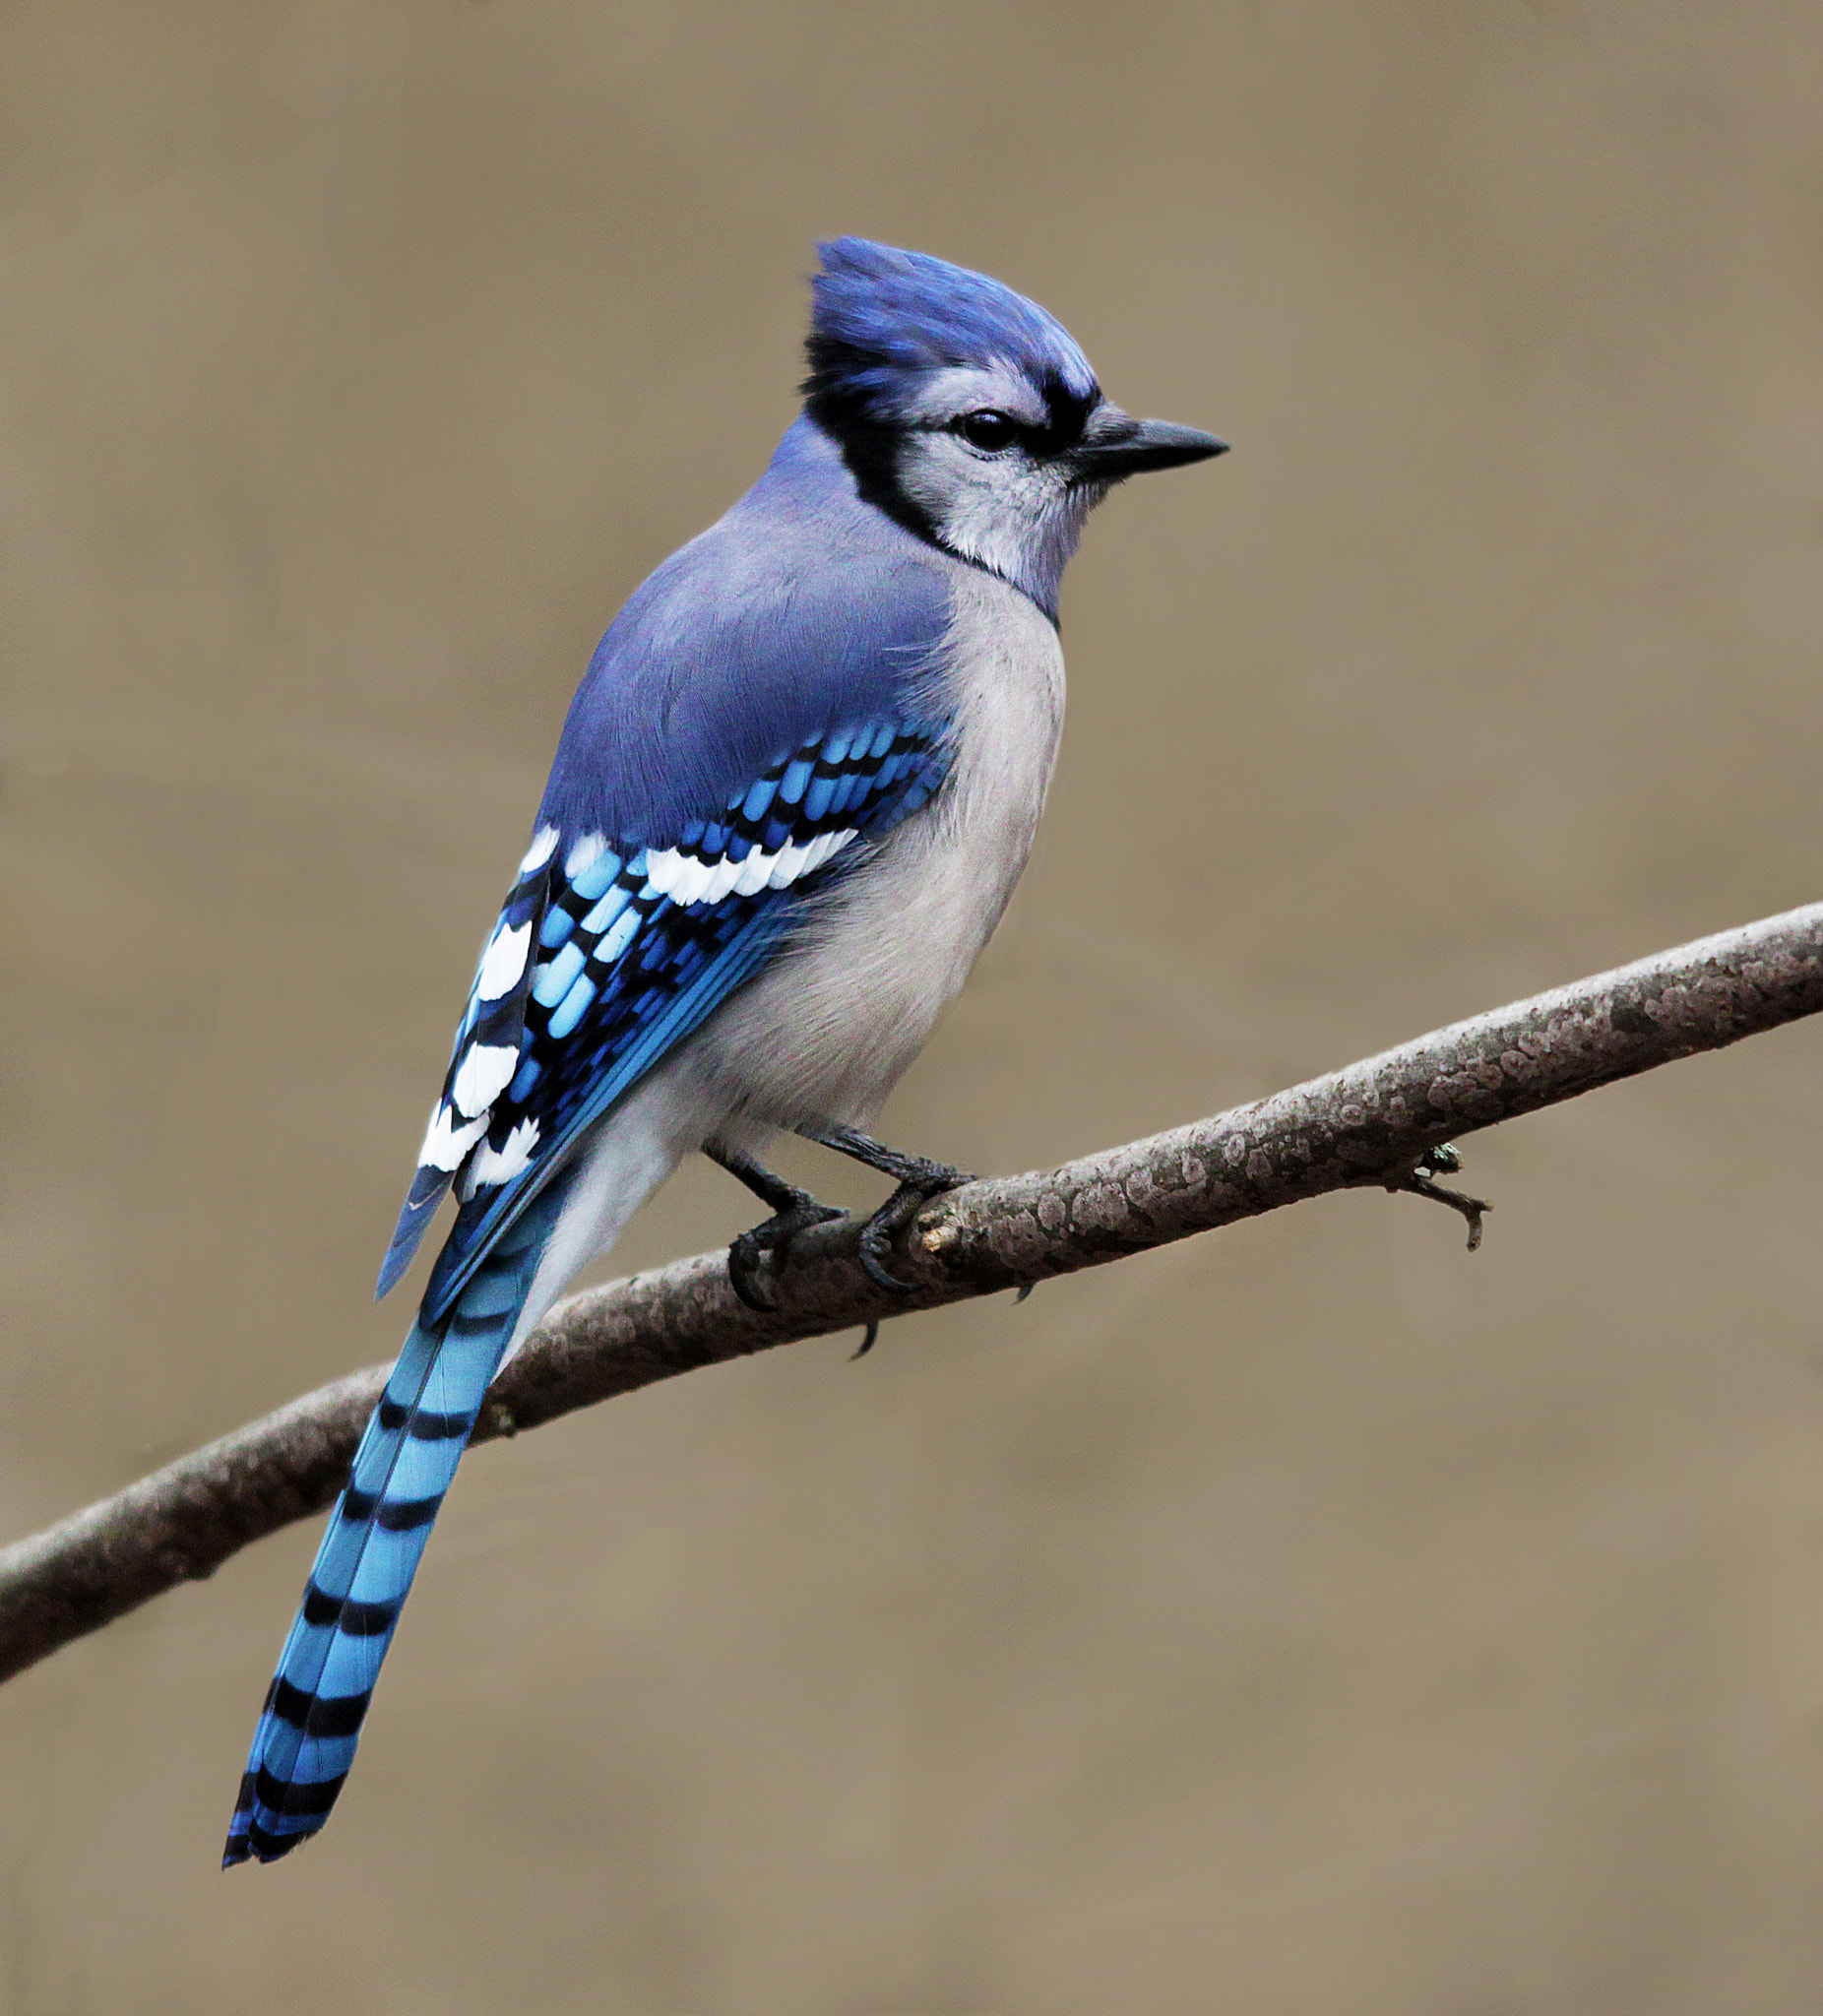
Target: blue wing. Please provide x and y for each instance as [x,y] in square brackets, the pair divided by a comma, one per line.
[765,704]
[607,953]
[493,1023]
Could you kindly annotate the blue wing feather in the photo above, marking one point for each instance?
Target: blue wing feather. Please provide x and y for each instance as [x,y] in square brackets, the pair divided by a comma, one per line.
[777,680]
[594,1060]
[628,950]
[497,1020]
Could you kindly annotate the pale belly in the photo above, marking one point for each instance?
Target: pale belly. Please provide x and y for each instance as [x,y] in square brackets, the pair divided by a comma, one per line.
[827,1031]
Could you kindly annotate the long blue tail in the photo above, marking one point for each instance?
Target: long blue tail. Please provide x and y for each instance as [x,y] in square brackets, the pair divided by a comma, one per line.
[305,1740]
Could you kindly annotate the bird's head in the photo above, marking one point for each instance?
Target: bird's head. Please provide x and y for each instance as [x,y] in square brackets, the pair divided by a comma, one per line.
[970,414]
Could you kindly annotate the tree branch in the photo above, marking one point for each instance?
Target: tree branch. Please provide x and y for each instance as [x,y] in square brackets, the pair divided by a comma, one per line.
[1374,1123]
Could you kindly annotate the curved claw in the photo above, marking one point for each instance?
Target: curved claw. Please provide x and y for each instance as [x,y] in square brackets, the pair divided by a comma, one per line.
[898,1212]
[873,1242]
[747,1266]
[768,1240]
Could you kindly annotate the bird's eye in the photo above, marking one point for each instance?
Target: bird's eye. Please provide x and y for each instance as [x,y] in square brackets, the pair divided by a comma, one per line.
[989,429]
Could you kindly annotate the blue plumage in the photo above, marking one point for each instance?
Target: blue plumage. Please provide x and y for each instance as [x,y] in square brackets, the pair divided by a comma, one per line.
[627,972]
[881,319]
[722,659]
[794,792]
[496,1021]
[623,970]
[311,1721]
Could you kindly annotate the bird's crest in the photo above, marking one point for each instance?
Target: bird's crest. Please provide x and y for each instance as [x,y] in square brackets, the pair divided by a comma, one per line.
[881,319]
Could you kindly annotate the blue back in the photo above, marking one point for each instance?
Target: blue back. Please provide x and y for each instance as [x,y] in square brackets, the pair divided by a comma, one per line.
[801,609]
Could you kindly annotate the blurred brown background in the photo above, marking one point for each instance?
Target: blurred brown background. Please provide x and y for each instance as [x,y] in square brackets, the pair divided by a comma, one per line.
[1308,1619]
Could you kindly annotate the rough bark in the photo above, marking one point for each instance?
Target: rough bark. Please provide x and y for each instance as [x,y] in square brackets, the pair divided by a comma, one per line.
[1371,1123]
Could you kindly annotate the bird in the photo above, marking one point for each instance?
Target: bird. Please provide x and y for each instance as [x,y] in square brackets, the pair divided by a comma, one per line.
[791,801]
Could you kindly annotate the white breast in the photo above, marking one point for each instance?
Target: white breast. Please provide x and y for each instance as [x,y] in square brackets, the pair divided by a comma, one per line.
[826,1032]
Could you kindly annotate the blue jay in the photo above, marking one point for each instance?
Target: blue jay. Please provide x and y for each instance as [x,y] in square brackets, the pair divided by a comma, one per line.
[792,799]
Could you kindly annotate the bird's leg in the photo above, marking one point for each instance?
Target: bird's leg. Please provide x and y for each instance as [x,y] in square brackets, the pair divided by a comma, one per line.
[919,1181]
[793,1211]
[1419,1178]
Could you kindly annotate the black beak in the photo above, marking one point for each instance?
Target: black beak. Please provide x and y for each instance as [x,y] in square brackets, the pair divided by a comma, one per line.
[1115,446]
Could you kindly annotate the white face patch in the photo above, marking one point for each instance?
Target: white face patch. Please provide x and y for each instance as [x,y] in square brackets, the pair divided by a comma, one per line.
[1016,514]
[483,1076]
[689,881]
[503,963]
